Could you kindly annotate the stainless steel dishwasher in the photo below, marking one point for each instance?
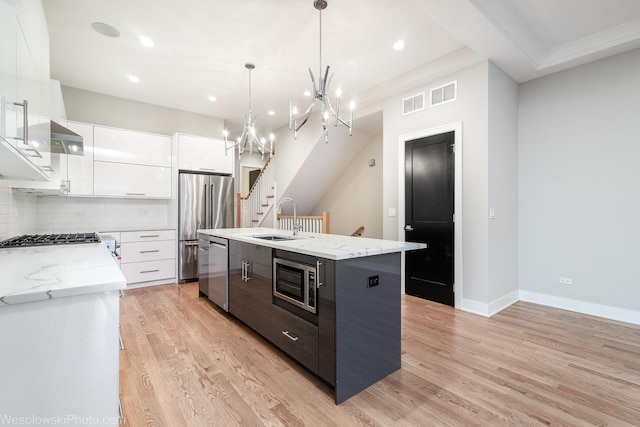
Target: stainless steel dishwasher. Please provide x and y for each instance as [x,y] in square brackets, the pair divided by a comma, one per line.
[213,268]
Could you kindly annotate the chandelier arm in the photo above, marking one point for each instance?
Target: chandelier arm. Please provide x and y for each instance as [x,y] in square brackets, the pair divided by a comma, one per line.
[306,115]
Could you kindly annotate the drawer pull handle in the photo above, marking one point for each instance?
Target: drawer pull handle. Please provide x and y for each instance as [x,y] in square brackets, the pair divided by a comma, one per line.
[121,293]
[290,336]
[148,252]
[150,235]
[136,194]
[150,271]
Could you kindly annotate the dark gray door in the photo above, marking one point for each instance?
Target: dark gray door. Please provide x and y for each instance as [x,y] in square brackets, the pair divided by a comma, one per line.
[429,203]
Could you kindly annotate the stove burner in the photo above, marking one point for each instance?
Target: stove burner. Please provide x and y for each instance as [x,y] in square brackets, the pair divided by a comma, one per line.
[49,239]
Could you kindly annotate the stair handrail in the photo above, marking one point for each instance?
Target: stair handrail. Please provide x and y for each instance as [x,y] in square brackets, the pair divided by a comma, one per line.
[358,231]
[257,200]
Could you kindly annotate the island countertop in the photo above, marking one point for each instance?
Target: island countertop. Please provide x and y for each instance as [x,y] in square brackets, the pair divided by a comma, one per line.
[330,246]
[44,272]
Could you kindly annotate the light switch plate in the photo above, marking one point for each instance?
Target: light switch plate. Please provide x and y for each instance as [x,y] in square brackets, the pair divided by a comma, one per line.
[392,212]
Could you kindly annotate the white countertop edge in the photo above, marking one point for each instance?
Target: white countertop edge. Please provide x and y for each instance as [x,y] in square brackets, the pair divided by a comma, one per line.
[330,246]
[61,293]
[46,272]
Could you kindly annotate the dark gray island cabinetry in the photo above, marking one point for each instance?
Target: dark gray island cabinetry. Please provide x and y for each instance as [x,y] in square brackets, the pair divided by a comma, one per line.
[354,338]
[332,303]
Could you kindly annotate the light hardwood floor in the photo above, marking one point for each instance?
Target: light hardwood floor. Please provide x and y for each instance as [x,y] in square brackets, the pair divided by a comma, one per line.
[187,363]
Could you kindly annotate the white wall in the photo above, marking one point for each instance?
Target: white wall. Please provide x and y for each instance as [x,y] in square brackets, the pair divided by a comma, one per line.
[355,199]
[98,108]
[578,185]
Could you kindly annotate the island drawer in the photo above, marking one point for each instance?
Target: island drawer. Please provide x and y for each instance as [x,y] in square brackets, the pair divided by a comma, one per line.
[293,335]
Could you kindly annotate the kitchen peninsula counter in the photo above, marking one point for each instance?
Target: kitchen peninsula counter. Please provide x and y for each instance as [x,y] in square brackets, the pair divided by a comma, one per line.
[47,272]
[353,339]
[59,320]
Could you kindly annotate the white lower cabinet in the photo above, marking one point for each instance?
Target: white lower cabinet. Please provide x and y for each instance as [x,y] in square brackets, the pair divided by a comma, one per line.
[148,256]
[128,180]
[60,359]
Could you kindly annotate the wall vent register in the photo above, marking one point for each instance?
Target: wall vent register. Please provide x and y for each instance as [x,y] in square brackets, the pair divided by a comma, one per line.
[413,104]
[445,93]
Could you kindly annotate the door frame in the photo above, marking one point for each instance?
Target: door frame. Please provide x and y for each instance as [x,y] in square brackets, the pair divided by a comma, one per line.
[456,127]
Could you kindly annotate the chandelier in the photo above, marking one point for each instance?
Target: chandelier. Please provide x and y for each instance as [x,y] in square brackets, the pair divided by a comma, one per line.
[249,136]
[321,94]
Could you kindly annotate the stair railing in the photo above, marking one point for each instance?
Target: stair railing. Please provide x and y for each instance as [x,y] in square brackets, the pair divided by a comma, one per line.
[309,223]
[260,197]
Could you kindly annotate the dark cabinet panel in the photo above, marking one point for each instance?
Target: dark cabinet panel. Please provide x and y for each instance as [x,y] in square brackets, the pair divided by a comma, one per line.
[293,335]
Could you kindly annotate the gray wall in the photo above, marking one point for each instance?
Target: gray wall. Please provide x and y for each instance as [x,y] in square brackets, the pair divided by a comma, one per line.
[503,187]
[578,184]
[101,109]
[355,198]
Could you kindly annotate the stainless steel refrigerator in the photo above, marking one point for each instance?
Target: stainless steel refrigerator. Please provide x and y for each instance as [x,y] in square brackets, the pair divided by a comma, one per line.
[205,201]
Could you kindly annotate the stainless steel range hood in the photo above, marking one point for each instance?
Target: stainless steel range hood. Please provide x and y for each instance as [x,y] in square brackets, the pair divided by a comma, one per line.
[63,140]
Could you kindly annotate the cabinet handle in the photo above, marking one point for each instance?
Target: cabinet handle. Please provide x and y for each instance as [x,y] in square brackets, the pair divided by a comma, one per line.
[207,169]
[151,235]
[37,153]
[245,271]
[288,334]
[150,271]
[148,252]
[136,194]
[318,265]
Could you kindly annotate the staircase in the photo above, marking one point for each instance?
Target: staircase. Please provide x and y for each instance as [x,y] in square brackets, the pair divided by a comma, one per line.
[261,198]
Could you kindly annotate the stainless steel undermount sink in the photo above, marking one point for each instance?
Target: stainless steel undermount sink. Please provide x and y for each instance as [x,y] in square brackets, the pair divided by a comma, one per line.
[276,237]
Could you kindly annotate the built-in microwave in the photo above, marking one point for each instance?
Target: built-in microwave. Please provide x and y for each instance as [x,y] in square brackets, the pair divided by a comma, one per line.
[295,283]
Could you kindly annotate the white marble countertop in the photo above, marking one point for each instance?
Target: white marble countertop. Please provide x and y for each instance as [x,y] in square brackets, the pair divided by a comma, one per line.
[330,246]
[45,272]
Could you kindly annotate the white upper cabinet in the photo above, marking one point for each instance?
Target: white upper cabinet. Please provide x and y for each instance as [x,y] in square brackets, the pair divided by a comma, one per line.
[135,181]
[126,146]
[196,153]
[24,75]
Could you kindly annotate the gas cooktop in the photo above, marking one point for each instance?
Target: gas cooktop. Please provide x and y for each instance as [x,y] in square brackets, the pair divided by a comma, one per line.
[49,239]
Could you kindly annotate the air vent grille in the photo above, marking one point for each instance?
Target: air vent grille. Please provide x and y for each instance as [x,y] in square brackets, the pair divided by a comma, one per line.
[445,93]
[412,104]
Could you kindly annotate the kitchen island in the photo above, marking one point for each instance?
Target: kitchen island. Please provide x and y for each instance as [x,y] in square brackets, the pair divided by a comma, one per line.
[351,337]
[59,309]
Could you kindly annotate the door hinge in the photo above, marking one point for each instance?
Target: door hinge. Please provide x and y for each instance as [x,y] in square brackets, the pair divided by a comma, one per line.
[454,218]
[453,148]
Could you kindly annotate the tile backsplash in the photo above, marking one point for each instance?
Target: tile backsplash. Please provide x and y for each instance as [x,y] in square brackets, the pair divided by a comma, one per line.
[18,213]
[69,214]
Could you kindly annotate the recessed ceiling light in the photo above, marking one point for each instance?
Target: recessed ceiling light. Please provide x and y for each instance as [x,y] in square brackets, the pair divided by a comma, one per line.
[212,98]
[105,29]
[146,41]
[272,113]
[307,93]
[399,45]
[133,79]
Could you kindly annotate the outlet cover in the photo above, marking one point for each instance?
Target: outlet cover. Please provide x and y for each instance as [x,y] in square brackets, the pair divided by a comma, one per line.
[373,281]
[565,281]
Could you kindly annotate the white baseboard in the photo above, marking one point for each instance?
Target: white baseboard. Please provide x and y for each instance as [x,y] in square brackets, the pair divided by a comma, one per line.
[599,310]
[488,310]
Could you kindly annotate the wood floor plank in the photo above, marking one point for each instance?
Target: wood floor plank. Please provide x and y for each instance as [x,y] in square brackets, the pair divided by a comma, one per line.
[188,363]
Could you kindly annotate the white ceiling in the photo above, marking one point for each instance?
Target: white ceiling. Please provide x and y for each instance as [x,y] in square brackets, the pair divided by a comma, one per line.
[201,46]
